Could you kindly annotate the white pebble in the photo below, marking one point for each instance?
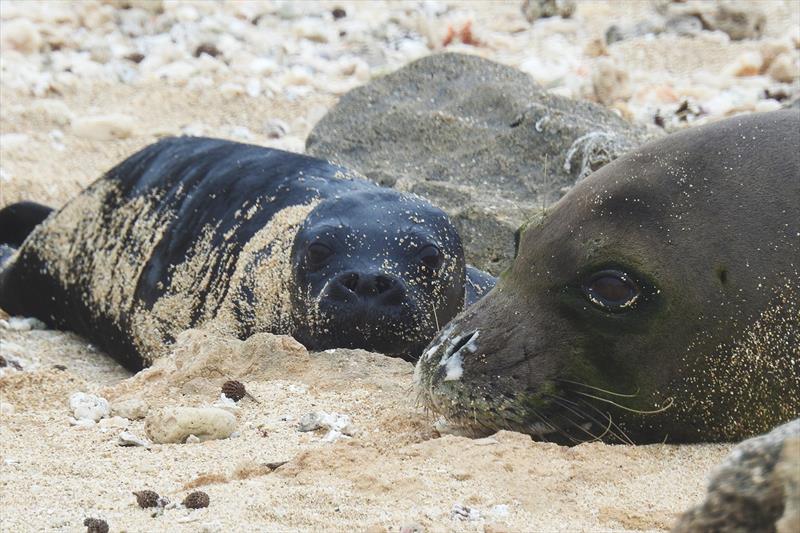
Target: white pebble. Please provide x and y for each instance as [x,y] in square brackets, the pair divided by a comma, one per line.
[193,439]
[21,35]
[175,424]
[88,406]
[19,323]
[7,408]
[116,422]
[338,425]
[129,439]
[104,127]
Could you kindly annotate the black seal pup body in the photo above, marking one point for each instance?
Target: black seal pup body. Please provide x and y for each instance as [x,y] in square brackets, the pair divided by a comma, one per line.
[658,300]
[192,232]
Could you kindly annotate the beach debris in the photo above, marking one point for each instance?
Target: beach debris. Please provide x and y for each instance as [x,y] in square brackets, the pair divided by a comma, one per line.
[132,409]
[176,424]
[336,424]
[196,500]
[88,407]
[234,390]
[96,525]
[149,498]
[462,512]
[126,438]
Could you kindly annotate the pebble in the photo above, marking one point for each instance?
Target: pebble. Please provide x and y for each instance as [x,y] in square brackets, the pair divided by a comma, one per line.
[462,512]
[7,408]
[127,438]
[747,64]
[132,409]
[88,407]
[784,68]
[275,128]
[536,9]
[336,424]
[104,127]
[114,422]
[18,323]
[21,35]
[176,424]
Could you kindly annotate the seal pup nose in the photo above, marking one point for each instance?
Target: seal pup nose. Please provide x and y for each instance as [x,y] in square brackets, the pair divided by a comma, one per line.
[350,286]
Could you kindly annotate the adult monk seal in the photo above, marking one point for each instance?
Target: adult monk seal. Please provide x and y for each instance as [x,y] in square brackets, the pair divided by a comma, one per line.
[658,300]
[195,231]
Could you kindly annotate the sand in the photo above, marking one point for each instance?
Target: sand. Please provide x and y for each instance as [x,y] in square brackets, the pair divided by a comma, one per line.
[396,472]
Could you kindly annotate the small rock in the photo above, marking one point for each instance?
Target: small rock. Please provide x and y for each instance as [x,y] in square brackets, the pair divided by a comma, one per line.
[739,21]
[752,489]
[536,9]
[21,35]
[194,439]
[104,127]
[129,439]
[747,64]
[276,128]
[208,49]
[462,512]
[610,82]
[18,323]
[784,68]
[132,409]
[88,406]
[6,408]
[338,13]
[175,424]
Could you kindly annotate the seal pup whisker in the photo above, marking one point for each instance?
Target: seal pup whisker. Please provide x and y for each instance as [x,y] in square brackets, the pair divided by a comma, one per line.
[670,402]
[620,395]
[626,439]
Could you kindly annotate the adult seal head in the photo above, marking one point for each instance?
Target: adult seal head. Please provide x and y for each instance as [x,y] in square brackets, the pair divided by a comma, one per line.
[195,232]
[658,300]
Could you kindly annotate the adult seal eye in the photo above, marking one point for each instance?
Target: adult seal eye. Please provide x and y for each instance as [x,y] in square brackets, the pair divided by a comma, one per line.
[431,257]
[611,290]
[317,253]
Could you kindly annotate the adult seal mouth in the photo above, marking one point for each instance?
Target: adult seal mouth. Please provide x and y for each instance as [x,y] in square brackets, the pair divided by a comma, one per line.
[659,300]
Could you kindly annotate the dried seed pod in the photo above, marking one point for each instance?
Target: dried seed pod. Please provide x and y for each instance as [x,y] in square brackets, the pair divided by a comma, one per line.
[146,498]
[234,390]
[96,525]
[196,500]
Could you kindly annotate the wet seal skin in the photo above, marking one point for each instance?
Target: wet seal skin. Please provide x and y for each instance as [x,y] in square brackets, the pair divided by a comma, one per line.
[193,232]
[659,300]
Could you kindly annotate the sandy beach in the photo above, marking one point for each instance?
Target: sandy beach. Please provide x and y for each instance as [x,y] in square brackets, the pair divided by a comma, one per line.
[84,84]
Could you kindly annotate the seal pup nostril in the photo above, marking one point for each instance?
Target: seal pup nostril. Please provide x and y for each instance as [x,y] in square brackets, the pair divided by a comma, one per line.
[349,281]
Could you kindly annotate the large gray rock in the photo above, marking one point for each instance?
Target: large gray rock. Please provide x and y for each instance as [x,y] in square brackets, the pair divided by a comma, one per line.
[755,489]
[479,139]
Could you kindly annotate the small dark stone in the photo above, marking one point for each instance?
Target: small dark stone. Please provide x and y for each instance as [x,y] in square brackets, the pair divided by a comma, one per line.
[207,48]
[275,465]
[338,13]
[234,390]
[7,362]
[135,57]
[96,525]
[196,500]
[146,498]
[60,367]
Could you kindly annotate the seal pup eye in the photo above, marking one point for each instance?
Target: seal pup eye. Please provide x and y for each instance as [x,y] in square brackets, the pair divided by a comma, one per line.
[317,253]
[611,290]
[431,257]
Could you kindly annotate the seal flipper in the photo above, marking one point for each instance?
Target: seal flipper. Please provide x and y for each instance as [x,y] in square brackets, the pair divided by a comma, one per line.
[18,220]
[477,284]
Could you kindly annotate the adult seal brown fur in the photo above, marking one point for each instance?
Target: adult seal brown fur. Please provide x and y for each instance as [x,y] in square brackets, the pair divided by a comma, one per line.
[193,232]
[659,300]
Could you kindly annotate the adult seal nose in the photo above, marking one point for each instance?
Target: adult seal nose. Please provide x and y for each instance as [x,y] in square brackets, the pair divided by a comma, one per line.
[377,287]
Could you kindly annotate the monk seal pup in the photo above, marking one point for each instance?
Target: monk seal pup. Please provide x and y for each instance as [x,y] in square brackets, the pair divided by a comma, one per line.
[195,232]
[658,300]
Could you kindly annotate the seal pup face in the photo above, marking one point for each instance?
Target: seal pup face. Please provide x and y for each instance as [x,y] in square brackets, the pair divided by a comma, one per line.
[658,300]
[376,270]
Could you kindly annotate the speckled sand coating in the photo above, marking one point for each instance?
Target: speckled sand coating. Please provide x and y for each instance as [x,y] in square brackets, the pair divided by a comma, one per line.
[72,106]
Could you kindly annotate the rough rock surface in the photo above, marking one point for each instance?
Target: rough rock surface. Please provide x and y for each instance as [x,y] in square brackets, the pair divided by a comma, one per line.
[754,489]
[479,139]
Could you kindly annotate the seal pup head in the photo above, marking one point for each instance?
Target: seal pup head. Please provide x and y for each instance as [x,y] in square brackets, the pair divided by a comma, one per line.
[658,300]
[378,270]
